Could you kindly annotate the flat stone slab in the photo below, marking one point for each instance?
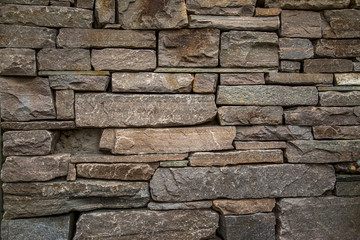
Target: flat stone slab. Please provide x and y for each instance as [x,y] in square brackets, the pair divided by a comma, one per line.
[347,79]
[347,185]
[143,158]
[234,79]
[295,48]
[344,48]
[300,24]
[244,206]
[342,23]
[246,145]
[38,125]
[267,181]
[327,65]
[299,79]
[79,82]
[181,163]
[17,62]
[307,5]
[223,7]
[338,99]
[216,70]
[336,132]
[180,206]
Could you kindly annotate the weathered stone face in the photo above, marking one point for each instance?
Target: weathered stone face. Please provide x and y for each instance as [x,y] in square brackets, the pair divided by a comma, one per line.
[182,163]
[88,4]
[240,145]
[223,7]
[205,82]
[327,65]
[178,224]
[347,185]
[336,132]
[189,48]
[104,12]
[244,206]
[344,48]
[270,133]
[300,24]
[178,206]
[30,2]
[143,158]
[65,104]
[79,82]
[342,23]
[249,49]
[290,66]
[295,48]
[307,5]
[38,125]
[347,79]
[299,79]
[242,79]
[333,98]
[17,62]
[79,141]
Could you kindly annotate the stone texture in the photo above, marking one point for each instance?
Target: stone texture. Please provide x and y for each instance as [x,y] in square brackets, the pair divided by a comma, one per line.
[295,48]
[347,185]
[299,79]
[63,59]
[355,4]
[111,110]
[61,3]
[300,24]
[344,48]
[71,175]
[100,38]
[79,141]
[312,116]
[104,12]
[342,23]
[46,228]
[177,224]
[266,95]
[123,59]
[182,163]
[88,4]
[256,226]
[35,142]
[152,82]
[206,159]
[75,73]
[215,70]
[332,98]
[145,14]
[290,66]
[336,132]
[307,5]
[316,218]
[356,66]
[143,158]
[242,79]
[79,82]
[189,48]
[235,22]
[244,206]
[178,206]
[324,151]
[339,88]
[46,16]
[32,169]
[276,180]
[117,171]
[352,168]
[16,36]
[65,100]
[57,197]
[258,145]
[167,140]
[222,7]
[327,65]
[205,83]
[267,12]
[30,2]
[17,62]
[38,125]
[249,49]
[347,79]
[250,115]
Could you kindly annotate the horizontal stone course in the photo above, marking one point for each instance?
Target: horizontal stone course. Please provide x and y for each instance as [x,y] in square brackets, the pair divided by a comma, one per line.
[327,65]
[79,82]
[300,24]
[333,98]
[64,59]
[17,62]
[244,206]
[343,23]
[345,48]
[271,133]
[307,5]
[347,79]
[38,125]
[336,132]
[143,158]
[242,79]
[299,79]
[224,7]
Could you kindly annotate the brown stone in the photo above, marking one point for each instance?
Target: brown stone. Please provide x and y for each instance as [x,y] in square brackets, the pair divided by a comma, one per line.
[347,79]
[307,5]
[79,82]
[327,65]
[189,48]
[352,167]
[267,12]
[242,79]
[332,98]
[88,4]
[205,83]
[79,141]
[32,169]
[17,62]
[345,48]
[30,2]
[179,206]
[65,104]
[336,132]
[143,158]
[299,79]
[38,125]
[167,140]
[61,3]
[301,24]
[342,24]
[71,175]
[244,206]
[270,133]
[222,7]
[295,48]
[64,59]
[258,145]
[290,66]
[104,12]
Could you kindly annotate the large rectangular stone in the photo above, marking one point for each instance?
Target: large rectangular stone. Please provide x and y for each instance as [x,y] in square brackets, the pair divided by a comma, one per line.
[244,206]
[64,59]
[336,132]
[142,158]
[271,133]
[216,70]
[242,79]
[295,48]
[167,140]
[347,185]
[223,7]
[333,98]
[344,23]
[266,95]
[300,24]
[79,82]
[345,48]
[299,79]
[17,62]
[104,12]
[115,110]
[38,125]
[319,218]
[307,5]
[347,79]
[65,100]
[327,65]
[276,180]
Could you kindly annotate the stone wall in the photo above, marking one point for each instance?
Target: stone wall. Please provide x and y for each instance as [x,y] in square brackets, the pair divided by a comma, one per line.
[174,119]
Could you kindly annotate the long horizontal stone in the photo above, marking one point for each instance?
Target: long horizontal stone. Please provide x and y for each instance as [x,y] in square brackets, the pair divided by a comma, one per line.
[345,48]
[276,180]
[177,224]
[75,73]
[167,140]
[336,132]
[101,38]
[182,163]
[206,159]
[242,79]
[17,62]
[331,217]
[300,24]
[38,125]
[224,7]
[30,2]
[339,88]
[143,158]
[295,48]
[216,70]
[79,82]
[299,78]
[342,23]
[48,16]
[244,206]
[307,5]
[180,205]
[270,133]
[266,95]
[324,151]
[338,99]
[49,198]
[327,65]
[152,82]
[347,79]
[114,110]
[254,145]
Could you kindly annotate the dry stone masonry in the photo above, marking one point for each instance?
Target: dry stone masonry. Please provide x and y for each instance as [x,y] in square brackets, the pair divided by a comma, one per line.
[180,119]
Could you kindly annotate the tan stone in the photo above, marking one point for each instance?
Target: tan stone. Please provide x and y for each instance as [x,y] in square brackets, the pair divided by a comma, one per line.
[244,206]
[205,83]
[182,163]
[63,59]
[258,145]
[104,12]
[242,79]
[65,100]
[336,132]
[221,7]
[17,62]
[271,133]
[347,79]
[299,79]
[267,12]
[307,5]
[71,175]
[143,158]
[301,24]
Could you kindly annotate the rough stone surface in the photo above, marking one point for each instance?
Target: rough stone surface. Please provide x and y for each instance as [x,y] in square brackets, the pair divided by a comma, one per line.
[338,88]
[65,100]
[266,95]
[152,82]
[35,142]
[79,82]
[46,16]
[250,115]
[215,70]
[267,12]
[17,62]
[75,73]
[336,132]
[177,206]
[117,171]
[342,23]
[189,48]
[324,217]
[177,224]
[324,151]
[307,5]
[71,175]
[79,141]
[167,140]
[145,14]
[300,24]
[111,110]
[182,163]
[351,167]
[276,180]
[347,185]
[244,206]
[222,7]
[249,49]
[104,12]
[270,133]
[205,159]
[295,48]
[258,145]
[64,59]
[205,83]
[41,199]
[344,48]
[256,226]
[347,79]
[30,2]
[100,38]
[38,125]
[123,59]
[332,116]
[327,65]
[299,79]
[356,66]
[290,66]
[88,4]
[242,79]
[332,98]
[145,158]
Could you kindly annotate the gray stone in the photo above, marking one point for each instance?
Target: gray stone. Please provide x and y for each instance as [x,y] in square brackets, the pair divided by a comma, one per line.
[30,2]
[244,206]
[88,4]
[205,83]
[65,100]
[27,143]
[47,228]
[295,48]
[248,145]
[216,70]
[347,185]
[46,16]
[275,180]
[71,176]
[299,79]
[182,163]
[177,224]
[38,125]
[250,115]
[79,82]
[167,140]
[242,79]
[266,95]
[115,110]
[332,98]
[145,158]
[347,79]
[79,141]
[356,66]
[300,24]
[249,49]
[63,59]
[145,14]
[179,206]
[290,66]
[342,23]
[61,3]
[75,73]
[319,218]
[345,48]
[100,38]
[235,22]
[339,88]
[327,65]
[104,12]
[336,132]
[152,82]
[32,169]
[123,59]
[17,62]
[189,48]
[222,7]
[307,5]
